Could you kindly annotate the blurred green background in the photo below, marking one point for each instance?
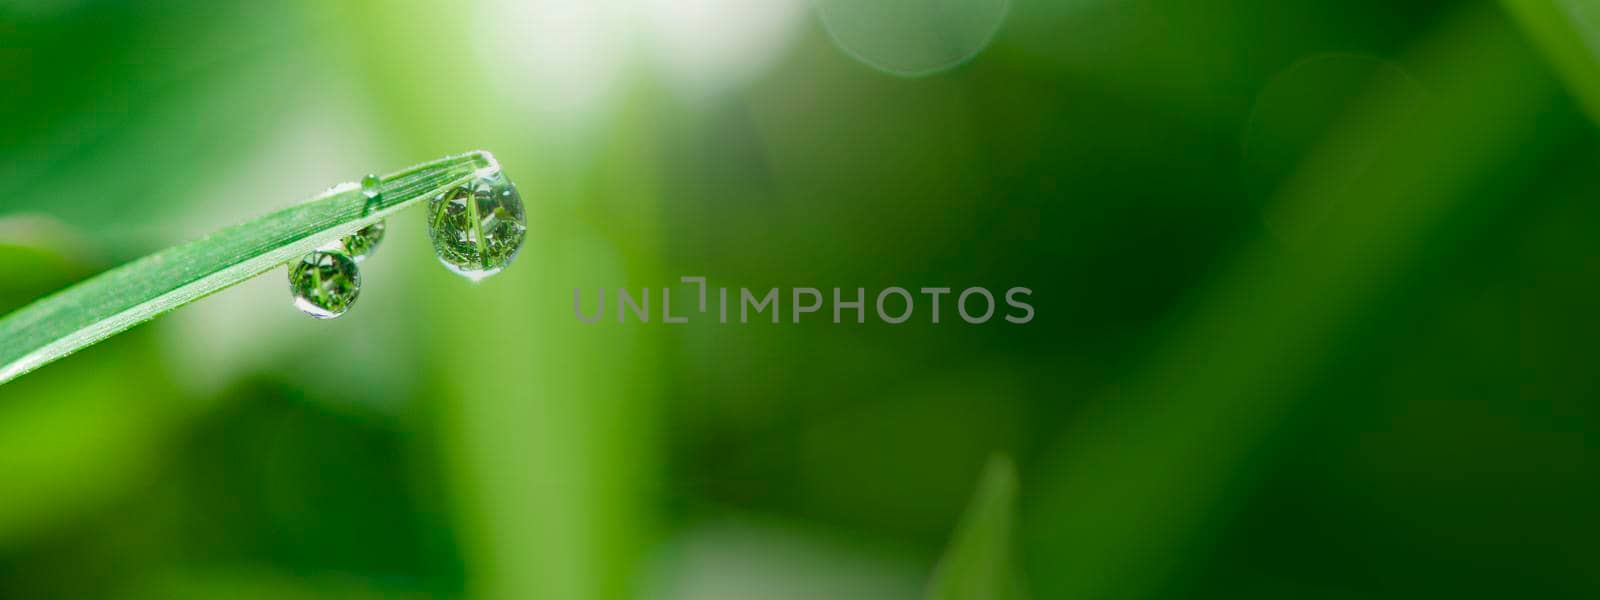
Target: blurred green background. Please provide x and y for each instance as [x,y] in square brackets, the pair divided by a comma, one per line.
[1314,285]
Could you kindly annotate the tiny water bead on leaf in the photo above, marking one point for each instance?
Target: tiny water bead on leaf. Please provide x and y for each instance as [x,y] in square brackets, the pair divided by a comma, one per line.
[361,244]
[324,284]
[370,186]
[477,228]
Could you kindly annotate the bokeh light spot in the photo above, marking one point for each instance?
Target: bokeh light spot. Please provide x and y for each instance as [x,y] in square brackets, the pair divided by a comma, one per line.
[565,60]
[708,46]
[912,37]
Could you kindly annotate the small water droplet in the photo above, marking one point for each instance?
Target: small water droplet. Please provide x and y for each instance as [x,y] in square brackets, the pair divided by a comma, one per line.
[371,186]
[363,243]
[478,228]
[324,284]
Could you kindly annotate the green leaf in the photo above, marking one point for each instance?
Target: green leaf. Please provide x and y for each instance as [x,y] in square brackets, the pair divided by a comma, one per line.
[113,301]
[1568,31]
[978,564]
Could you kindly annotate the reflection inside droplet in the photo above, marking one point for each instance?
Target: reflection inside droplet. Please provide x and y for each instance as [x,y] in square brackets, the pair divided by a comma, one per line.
[477,228]
[361,244]
[324,284]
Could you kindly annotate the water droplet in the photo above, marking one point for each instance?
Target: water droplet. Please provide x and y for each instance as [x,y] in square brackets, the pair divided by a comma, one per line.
[324,284]
[477,228]
[363,243]
[370,186]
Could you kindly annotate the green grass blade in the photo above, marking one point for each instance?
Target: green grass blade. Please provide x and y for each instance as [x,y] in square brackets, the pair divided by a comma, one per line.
[113,301]
[1568,31]
[1130,493]
[978,562]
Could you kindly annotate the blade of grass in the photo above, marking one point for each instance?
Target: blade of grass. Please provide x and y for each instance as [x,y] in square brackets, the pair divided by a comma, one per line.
[1568,31]
[111,302]
[1126,498]
[978,562]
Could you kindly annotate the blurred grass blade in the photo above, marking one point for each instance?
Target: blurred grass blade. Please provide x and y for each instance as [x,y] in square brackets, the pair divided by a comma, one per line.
[1568,31]
[1128,495]
[111,302]
[978,564]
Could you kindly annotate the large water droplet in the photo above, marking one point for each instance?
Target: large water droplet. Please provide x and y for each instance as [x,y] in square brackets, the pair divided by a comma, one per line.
[363,243]
[477,228]
[324,284]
